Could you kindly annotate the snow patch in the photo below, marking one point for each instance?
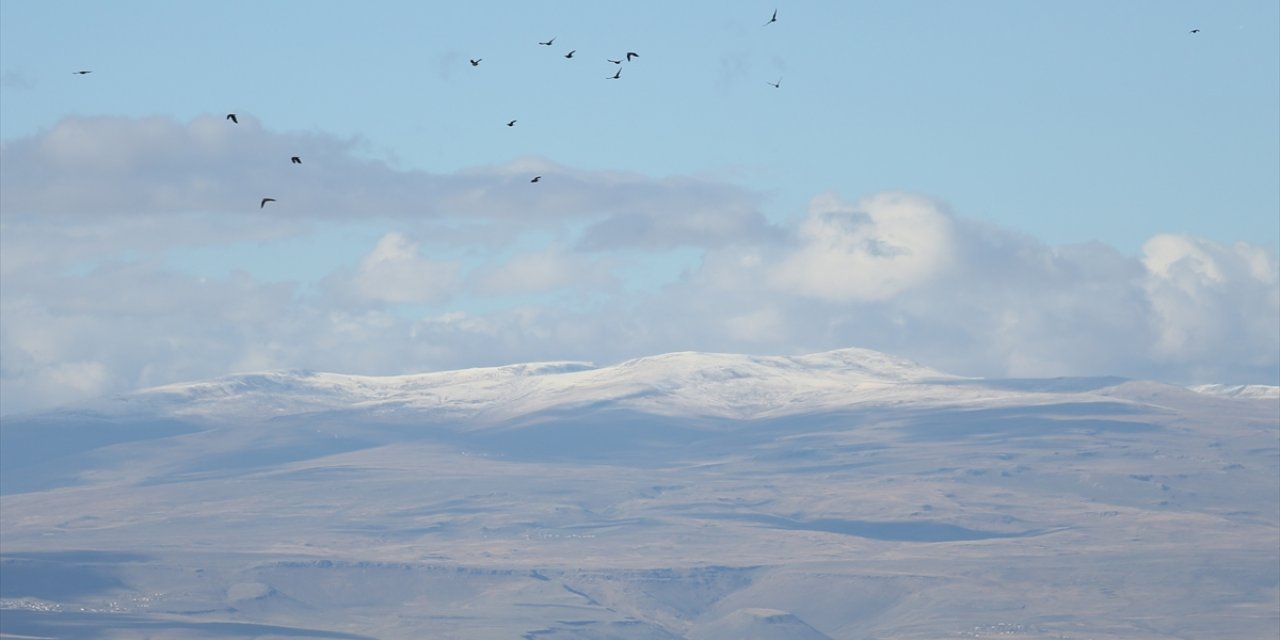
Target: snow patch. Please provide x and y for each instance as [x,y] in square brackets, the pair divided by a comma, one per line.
[1248,391]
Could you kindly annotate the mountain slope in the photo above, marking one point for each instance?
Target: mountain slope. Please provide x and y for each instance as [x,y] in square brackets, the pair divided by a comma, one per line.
[848,494]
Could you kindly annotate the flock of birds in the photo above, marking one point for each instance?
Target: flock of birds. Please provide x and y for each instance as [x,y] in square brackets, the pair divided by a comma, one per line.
[292,159]
[630,55]
[475,62]
[617,75]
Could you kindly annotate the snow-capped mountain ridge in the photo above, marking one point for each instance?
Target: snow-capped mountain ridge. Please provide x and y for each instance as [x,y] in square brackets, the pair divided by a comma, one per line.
[1253,391]
[680,383]
[686,383]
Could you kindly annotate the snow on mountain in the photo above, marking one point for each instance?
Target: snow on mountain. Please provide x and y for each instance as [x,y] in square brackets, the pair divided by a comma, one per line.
[1250,391]
[694,384]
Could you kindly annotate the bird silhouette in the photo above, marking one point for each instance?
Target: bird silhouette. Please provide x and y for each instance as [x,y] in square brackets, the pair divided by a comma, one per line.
[536,178]
[511,124]
[775,85]
[265,201]
[547,43]
[614,61]
[632,54]
[615,76]
[232,118]
[1192,31]
[295,160]
[80,73]
[475,62]
[570,54]
[772,19]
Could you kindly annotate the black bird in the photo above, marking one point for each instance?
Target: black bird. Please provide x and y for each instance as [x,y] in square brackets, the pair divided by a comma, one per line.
[511,124]
[80,73]
[632,54]
[773,19]
[570,54]
[232,117]
[614,61]
[547,43]
[265,201]
[615,76]
[476,62]
[1192,31]
[295,160]
[536,178]
[775,85]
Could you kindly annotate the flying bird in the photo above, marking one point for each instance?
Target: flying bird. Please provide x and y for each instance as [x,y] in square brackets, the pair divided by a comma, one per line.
[614,61]
[772,19]
[570,54]
[475,62]
[295,160]
[536,178]
[547,43]
[615,76]
[80,73]
[265,201]
[511,124]
[232,118]
[775,85]
[632,54]
[1192,31]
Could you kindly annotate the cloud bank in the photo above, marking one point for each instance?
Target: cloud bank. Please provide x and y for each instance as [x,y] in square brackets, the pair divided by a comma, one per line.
[481,267]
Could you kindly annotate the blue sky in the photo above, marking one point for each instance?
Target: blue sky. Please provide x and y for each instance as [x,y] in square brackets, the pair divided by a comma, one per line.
[1043,139]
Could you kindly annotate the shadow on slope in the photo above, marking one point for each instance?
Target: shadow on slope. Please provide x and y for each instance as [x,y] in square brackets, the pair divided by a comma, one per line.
[54,450]
[51,450]
[62,575]
[758,624]
[1038,385]
[1029,421]
[891,531]
[597,630]
[91,625]
[595,435]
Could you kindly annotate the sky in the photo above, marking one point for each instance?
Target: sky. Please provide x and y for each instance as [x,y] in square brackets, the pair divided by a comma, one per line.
[992,188]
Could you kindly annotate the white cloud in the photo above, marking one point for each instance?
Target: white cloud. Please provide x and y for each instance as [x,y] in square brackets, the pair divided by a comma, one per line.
[873,250]
[759,326]
[542,271]
[87,168]
[395,272]
[1212,302]
[89,305]
[1006,305]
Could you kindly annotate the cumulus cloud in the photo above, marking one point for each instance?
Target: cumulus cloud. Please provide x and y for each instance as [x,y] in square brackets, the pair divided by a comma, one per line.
[543,271]
[876,249]
[395,272]
[89,303]
[1190,310]
[1212,303]
[132,167]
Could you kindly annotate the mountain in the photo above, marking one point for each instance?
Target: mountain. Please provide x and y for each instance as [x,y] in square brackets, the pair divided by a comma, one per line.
[846,494]
[675,384]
